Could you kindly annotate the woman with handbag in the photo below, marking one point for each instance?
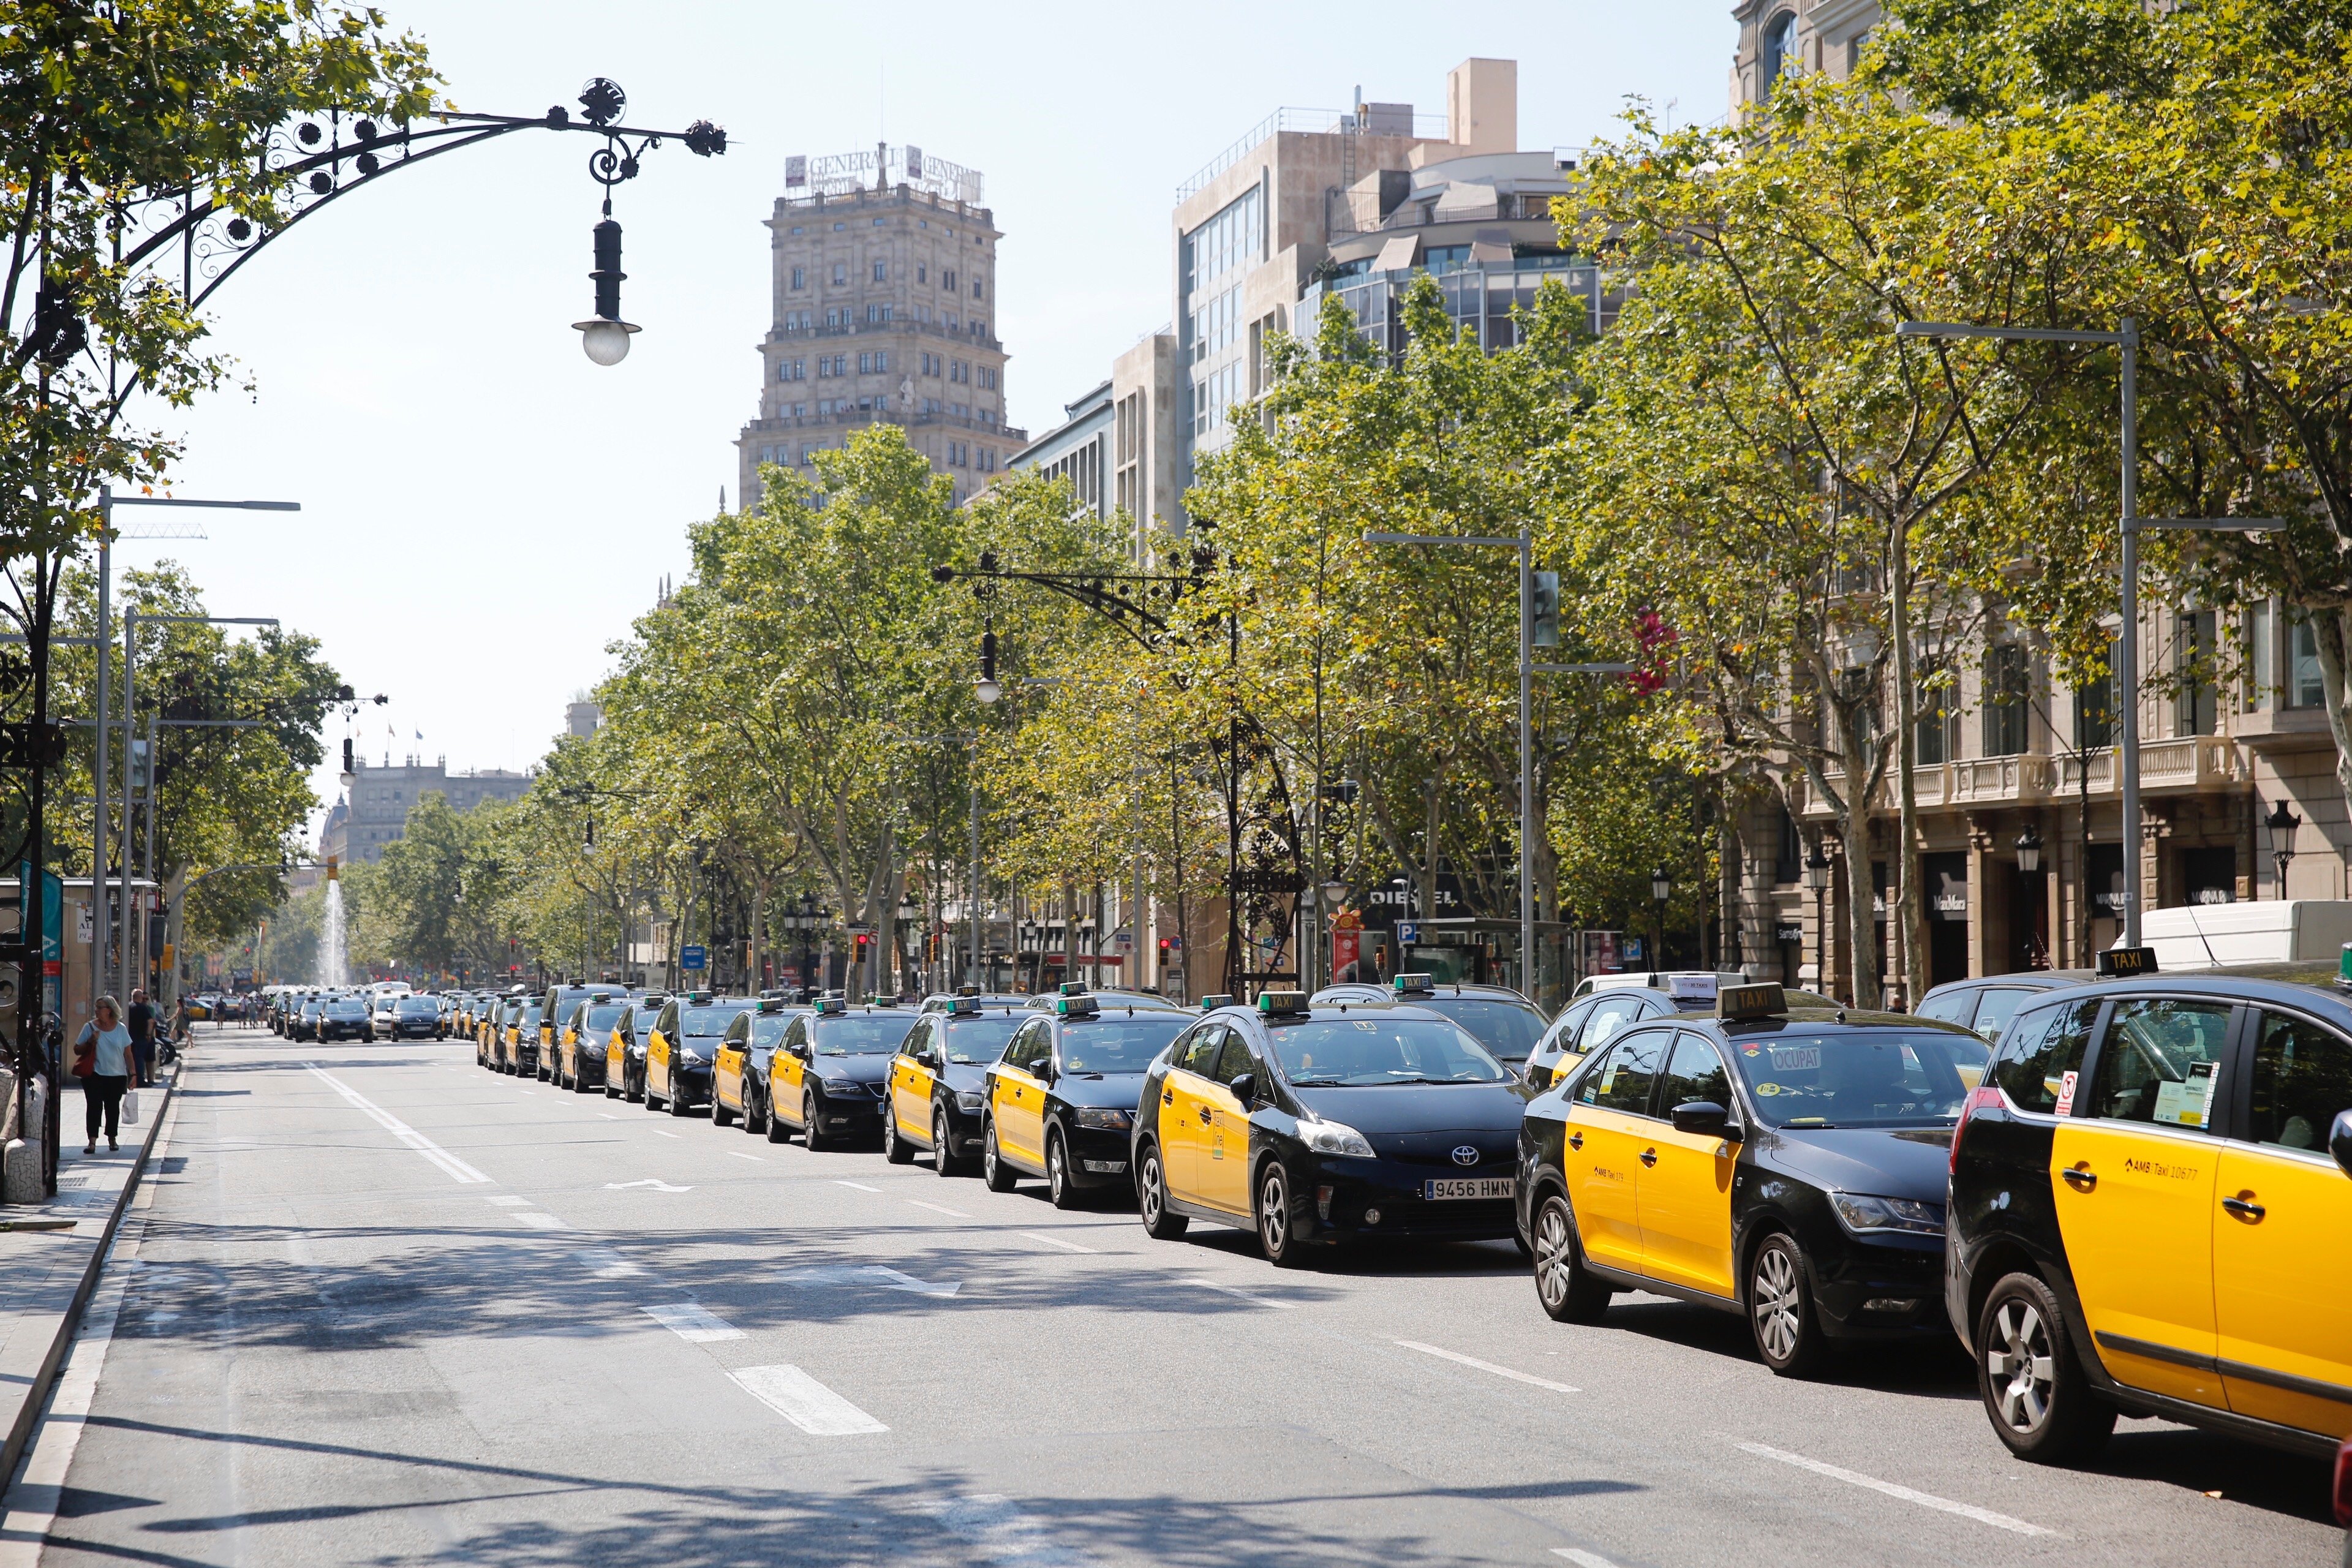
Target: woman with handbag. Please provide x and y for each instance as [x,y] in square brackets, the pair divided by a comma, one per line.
[102,1060]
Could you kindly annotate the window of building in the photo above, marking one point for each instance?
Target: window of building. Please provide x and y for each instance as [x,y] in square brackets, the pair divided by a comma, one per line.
[2095,707]
[975,289]
[2193,652]
[877,223]
[2007,689]
[1777,53]
[877,313]
[1939,738]
[799,276]
[988,378]
[841,272]
[922,272]
[2305,686]
[796,228]
[881,270]
[839,226]
[947,279]
[2260,656]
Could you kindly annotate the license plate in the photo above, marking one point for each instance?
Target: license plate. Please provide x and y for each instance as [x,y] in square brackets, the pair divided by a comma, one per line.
[1440,1189]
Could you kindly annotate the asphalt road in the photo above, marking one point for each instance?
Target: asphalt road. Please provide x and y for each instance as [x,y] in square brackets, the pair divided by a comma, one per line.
[387,1307]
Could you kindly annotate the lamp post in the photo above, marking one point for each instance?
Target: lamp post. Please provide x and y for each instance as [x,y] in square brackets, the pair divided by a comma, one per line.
[2281,822]
[1817,882]
[2029,857]
[2125,338]
[1661,888]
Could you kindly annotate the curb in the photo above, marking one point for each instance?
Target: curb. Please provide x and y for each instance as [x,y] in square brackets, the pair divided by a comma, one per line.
[37,1394]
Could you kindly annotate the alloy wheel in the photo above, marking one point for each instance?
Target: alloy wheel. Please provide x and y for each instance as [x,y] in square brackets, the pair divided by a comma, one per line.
[943,1158]
[2023,1371]
[1776,1300]
[1553,1259]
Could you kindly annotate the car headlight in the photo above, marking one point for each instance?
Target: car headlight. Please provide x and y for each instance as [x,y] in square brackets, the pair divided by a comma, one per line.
[1109,1117]
[1334,1138]
[838,1086]
[970,1099]
[694,1059]
[1862,1214]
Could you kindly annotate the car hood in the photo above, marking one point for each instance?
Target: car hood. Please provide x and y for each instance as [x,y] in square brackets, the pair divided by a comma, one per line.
[1418,1107]
[961,1076]
[1112,1091]
[857,1069]
[1889,1162]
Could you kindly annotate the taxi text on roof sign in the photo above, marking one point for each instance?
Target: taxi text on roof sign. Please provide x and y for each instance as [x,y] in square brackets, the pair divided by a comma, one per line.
[1764,999]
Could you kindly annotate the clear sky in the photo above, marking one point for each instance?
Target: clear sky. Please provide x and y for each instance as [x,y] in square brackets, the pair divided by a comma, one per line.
[484,511]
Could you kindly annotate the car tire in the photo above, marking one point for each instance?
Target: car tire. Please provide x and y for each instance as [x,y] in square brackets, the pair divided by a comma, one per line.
[1275,1234]
[610,1092]
[628,1093]
[1161,1222]
[1567,1289]
[2035,1391]
[1060,1189]
[1780,1312]
[677,1104]
[895,1149]
[720,1115]
[770,1123]
[812,1136]
[943,1160]
[993,1168]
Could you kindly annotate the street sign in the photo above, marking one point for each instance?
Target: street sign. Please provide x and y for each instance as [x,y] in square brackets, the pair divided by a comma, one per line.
[691,958]
[1408,931]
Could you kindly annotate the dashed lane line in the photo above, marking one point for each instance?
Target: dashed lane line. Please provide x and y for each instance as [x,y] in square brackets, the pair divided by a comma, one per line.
[939,1209]
[804,1402]
[1255,1300]
[1056,1241]
[861,1186]
[1472,1360]
[450,1165]
[1924,1499]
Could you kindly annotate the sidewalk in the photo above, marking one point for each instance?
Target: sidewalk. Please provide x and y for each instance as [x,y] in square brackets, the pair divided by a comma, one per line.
[46,1276]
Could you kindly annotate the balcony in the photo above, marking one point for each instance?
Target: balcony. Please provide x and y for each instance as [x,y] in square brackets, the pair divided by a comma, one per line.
[2182,764]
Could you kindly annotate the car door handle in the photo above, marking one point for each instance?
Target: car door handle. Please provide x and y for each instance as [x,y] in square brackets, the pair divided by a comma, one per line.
[1649,1157]
[2244,1208]
[1167,1097]
[1576,1140]
[2080,1179]
[1204,1115]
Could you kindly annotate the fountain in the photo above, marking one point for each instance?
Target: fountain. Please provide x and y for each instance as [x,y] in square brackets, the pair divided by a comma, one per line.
[335,968]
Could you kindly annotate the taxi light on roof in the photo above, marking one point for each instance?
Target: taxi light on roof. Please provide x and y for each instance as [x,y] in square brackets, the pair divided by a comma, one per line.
[964,1006]
[771,1004]
[831,1005]
[1215,1000]
[1281,1004]
[699,998]
[1077,1006]
[967,990]
[2123,963]
[2343,967]
[1762,1000]
[1073,988]
[1415,985]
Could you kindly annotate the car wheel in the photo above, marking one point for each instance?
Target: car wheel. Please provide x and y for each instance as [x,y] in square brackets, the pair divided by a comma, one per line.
[993,1168]
[2037,1394]
[1161,1222]
[1059,1188]
[678,1105]
[632,1089]
[813,1137]
[943,1160]
[1781,1308]
[611,1092]
[770,1122]
[895,1149]
[720,1115]
[1281,1244]
[1567,1288]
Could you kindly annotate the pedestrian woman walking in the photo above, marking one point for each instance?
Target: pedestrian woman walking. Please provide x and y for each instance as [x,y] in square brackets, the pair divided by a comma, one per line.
[102,1060]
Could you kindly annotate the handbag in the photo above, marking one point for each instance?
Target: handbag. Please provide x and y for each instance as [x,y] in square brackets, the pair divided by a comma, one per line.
[85,1060]
[130,1107]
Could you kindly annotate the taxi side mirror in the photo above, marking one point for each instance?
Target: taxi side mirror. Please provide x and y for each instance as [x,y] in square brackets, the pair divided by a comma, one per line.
[1704,1118]
[1042,1070]
[1538,1075]
[2339,1140]
[1244,1086]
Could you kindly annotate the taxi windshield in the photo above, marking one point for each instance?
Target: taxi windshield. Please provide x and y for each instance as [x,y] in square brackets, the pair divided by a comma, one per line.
[530,1014]
[419,1006]
[703,1021]
[1118,1044]
[877,1036]
[601,1018]
[1508,1030]
[344,1009]
[1327,1052]
[768,1029]
[1875,1078]
[976,1042]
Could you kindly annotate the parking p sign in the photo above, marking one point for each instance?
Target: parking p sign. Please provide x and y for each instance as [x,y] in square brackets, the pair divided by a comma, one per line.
[1408,931]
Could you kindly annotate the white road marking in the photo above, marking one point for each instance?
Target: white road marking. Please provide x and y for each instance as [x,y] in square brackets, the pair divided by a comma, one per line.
[1056,1241]
[1458,1357]
[451,1166]
[608,1116]
[861,1186]
[666,1133]
[1255,1300]
[656,1183]
[870,1274]
[509,1201]
[608,1263]
[935,1209]
[1000,1533]
[804,1402]
[738,1154]
[537,1219]
[1582,1558]
[688,1321]
[1924,1499]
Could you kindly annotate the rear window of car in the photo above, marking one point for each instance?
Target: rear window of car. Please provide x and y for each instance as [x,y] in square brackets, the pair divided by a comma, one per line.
[1508,1030]
[604,1018]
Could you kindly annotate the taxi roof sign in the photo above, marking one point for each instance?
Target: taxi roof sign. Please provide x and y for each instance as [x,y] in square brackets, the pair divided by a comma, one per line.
[831,1004]
[1759,999]
[1282,1004]
[2125,963]
[967,990]
[1077,1006]
[771,1004]
[964,1006]
[1073,988]
[1415,985]
[1697,986]
[1215,1000]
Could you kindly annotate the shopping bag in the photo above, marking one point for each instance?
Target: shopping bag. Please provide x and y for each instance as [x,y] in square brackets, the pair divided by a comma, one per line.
[130,1107]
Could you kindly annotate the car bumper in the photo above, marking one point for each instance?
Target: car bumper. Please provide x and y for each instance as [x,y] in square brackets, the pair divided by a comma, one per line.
[1338,1199]
[845,1118]
[1889,1289]
[1099,1156]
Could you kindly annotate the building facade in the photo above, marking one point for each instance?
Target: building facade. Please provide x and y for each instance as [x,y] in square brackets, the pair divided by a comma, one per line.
[375,811]
[882,312]
[1080,449]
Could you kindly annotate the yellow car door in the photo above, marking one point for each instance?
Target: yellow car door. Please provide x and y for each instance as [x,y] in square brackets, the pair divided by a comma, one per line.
[913,1078]
[1684,1205]
[1184,1112]
[2133,1173]
[2283,1235]
[617,1054]
[727,1065]
[1017,1097]
[787,1071]
[1609,1128]
[1222,1171]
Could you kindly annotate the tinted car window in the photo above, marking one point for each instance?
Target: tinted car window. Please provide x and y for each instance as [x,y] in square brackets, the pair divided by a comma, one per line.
[418,1007]
[602,1019]
[1562,1035]
[2040,1049]
[702,1021]
[2157,1059]
[1625,1077]
[345,1010]
[1231,1062]
[2303,1080]
[1995,1008]
[1861,1078]
[1508,1030]
[1609,1015]
[850,1037]
[1200,1052]
[1694,1072]
[1118,1044]
[1949,1007]
[976,1042]
[1372,1051]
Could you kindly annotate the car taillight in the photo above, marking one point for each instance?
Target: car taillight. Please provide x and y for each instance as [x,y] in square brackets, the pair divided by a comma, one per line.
[1984,1097]
[2344,1484]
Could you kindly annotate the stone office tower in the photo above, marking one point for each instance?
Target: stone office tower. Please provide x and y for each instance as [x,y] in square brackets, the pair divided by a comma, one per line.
[882,312]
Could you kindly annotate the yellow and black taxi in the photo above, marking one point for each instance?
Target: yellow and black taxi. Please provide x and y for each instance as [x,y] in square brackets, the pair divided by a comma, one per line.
[583,1043]
[827,1079]
[739,1070]
[679,1047]
[1783,1163]
[2152,1210]
[555,1008]
[518,1035]
[1322,1124]
[937,1096]
[1060,1102]
[1501,1020]
[624,1049]
[945,1000]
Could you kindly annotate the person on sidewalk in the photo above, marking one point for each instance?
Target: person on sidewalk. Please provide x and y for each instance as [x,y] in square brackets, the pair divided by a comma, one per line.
[143,1036]
[103,1060]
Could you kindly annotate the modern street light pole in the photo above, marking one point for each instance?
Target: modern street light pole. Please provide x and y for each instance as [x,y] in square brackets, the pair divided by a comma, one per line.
[2125,338]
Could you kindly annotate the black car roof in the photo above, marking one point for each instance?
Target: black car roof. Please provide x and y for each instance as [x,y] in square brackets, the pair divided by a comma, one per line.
[2312,984]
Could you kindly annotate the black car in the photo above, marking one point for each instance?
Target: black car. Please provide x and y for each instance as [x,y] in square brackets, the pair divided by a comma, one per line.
[1061,1102]
[1313,1124]
[415,1018]
[344,1018]
[826,1080]
[937,1095]
[1786,1164]
[1987,1002]
[1506,1023]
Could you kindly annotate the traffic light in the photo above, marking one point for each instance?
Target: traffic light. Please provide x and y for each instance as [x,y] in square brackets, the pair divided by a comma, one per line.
[1543,604]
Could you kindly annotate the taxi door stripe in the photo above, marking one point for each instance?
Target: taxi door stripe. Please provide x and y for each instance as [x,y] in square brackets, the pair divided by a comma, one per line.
[1924,1499]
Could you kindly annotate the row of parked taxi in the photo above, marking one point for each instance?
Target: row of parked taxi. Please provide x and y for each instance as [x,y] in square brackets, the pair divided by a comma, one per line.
[2128,1195]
